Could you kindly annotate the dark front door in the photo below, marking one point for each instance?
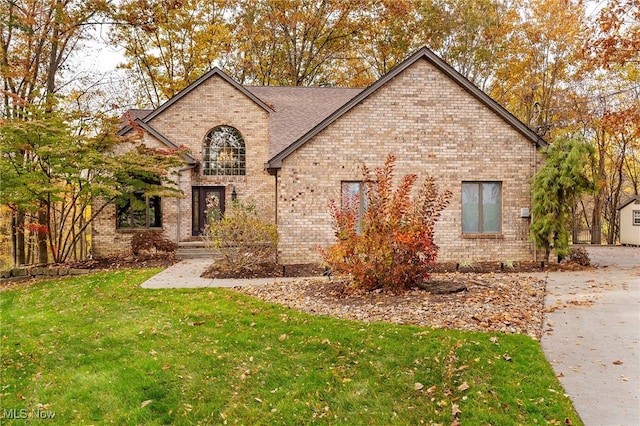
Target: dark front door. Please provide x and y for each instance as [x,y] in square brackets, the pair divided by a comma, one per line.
[207,202]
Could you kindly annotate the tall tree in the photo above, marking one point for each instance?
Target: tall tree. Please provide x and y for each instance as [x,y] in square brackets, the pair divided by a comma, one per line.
[556,187]
[469,35]
[390,29]
[169,44]
[537,64]
[613,49]
[36,39]
[614,39]
[294,42]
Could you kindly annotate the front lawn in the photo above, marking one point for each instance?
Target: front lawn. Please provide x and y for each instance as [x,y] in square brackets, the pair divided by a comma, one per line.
[98,349]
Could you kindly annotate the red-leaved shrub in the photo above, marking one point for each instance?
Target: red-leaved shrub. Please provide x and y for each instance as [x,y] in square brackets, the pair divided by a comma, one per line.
[147,241]
[391,245]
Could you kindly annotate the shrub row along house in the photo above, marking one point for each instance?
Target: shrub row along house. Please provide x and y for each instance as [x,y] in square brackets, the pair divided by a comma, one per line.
[292,149]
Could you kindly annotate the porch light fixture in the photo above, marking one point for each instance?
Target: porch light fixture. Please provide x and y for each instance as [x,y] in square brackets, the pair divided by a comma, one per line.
[234,194]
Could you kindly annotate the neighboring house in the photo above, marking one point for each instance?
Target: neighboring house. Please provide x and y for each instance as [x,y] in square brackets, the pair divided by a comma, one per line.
[292,149]
[630,221]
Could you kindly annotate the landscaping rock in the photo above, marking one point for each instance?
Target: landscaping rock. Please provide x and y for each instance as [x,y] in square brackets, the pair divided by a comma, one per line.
[38,271]
[19,272]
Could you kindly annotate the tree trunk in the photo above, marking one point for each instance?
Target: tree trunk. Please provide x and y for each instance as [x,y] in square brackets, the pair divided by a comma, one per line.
[598,202]
[596,220]
[43,222]
[19,248]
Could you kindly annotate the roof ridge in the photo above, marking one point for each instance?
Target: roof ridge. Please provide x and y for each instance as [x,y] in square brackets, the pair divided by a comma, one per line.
[423,53]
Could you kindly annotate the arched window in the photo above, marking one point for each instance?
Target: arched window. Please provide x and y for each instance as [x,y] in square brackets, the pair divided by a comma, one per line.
[223,152]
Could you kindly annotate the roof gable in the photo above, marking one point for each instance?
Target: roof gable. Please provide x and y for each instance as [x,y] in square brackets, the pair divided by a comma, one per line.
[156,134]
[424,53]
[214,72]
[635,198]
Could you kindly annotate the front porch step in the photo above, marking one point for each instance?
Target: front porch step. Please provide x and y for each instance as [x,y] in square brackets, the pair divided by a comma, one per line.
[193,250]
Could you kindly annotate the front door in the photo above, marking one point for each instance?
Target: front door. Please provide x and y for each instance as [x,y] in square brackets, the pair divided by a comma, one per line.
[207,202]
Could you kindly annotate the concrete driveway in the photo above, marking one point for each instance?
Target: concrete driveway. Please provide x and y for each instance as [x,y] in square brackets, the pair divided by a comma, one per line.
[591,337]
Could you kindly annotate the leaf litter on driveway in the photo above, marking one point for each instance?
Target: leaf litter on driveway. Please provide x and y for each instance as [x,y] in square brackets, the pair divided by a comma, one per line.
[502,302]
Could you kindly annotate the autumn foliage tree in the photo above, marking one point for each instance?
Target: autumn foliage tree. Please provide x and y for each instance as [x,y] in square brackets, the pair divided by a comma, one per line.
[391,245]
[169,44]
[37,38]
[44,164]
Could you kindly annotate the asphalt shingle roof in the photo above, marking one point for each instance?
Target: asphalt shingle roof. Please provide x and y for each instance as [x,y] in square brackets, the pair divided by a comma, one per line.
[298,110]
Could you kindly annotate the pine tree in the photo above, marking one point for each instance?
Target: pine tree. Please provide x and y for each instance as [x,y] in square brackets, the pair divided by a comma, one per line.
[556,186]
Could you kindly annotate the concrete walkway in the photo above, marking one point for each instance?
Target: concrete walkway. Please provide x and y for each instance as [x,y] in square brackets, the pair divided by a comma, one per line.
[592,336]
[186,274]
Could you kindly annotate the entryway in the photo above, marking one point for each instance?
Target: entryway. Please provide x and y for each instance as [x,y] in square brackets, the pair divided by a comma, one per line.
[204,201]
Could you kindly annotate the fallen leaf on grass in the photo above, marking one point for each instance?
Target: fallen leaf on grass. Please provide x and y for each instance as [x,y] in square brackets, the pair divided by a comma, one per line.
[194,324]
[418,386]
[145,403]
[455,410]
[463,387]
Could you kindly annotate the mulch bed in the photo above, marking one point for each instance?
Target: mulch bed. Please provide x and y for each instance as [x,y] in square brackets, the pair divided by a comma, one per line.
[505,303]
[489,297]
[124,262]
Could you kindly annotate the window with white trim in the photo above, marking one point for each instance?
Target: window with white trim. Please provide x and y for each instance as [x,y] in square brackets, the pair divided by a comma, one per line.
[636,218]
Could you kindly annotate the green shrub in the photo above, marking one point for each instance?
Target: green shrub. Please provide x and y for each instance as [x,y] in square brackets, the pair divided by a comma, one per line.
[391,246]
[240,239]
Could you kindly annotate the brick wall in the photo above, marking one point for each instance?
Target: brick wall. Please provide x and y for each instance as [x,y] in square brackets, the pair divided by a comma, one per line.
[433,127]
[215,102]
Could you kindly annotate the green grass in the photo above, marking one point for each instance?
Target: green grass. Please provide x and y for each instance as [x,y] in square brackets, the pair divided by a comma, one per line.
[99,349]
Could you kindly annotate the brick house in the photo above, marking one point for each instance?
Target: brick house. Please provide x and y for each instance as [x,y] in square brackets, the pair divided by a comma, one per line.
[292,149]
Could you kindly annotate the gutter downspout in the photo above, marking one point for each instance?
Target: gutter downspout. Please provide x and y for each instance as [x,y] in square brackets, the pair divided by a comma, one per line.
[179,214]
[274,172]
[535,170]
[276,213]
